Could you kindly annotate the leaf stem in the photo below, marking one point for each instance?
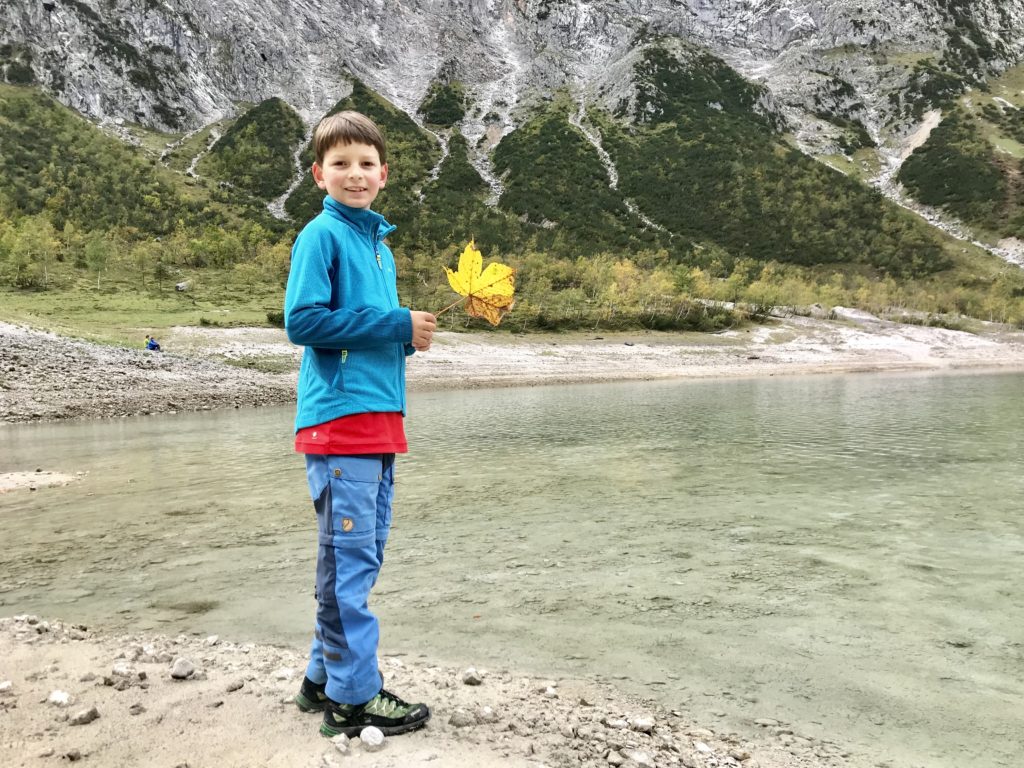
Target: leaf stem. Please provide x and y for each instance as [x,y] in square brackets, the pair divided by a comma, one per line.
[450,306]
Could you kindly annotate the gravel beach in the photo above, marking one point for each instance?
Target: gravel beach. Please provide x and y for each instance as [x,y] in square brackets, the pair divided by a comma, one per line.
[68,694]
[45,377]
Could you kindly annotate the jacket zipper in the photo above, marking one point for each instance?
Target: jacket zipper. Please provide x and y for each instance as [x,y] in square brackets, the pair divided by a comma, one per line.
[380,268]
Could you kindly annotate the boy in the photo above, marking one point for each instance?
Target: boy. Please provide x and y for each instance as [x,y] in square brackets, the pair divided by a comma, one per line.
[341,303]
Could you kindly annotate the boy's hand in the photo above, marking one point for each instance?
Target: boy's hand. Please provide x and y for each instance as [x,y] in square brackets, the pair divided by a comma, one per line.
[423,326]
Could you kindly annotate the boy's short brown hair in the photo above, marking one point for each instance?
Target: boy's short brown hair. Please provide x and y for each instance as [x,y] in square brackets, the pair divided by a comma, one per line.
[347,128]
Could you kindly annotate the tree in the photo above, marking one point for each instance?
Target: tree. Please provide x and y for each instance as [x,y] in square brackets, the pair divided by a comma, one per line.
[161,271]
[97,253]
[30,246]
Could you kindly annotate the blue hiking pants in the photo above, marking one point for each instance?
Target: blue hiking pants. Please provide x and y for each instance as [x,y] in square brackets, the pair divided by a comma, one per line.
[352,496]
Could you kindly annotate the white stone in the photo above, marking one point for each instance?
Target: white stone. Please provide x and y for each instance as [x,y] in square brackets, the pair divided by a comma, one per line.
[372,738]
[59,698]
[642,723]
[639,757]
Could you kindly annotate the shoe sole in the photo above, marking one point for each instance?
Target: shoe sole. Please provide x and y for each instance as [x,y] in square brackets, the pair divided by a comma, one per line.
[307,705]
[388,730]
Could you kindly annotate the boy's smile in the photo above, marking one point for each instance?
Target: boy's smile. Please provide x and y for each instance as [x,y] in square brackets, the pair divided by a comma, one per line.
[352,174]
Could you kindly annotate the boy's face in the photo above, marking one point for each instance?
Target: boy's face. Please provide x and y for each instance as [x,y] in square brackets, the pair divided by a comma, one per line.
[352,174]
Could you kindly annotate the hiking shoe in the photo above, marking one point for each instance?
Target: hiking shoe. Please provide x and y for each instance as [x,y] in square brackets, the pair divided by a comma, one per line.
[385,711]
[311,696]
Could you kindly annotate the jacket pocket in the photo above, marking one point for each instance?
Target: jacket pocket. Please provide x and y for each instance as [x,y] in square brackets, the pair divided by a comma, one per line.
[338,381]
[330,366]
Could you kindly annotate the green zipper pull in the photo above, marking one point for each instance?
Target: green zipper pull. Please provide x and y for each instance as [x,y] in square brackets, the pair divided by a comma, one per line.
[344,356]
[380,264]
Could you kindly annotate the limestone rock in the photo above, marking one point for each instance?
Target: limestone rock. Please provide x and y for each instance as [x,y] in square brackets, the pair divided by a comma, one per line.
[182,669]
[84,717]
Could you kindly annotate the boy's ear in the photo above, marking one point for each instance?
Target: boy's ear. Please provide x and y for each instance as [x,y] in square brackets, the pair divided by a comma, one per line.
[318,176]
[383,173]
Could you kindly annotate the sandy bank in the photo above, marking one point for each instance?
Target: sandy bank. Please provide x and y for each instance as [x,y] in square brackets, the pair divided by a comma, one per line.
[70,695]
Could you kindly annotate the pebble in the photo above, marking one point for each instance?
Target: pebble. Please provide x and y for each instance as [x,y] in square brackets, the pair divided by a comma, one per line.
[472,677]
[136,709]
[461,719]
[639,756]
[182,669]
[340,743]
[642,723]
[85,717]
[59,698]
[5,687]
[372,738]
[234,685]
[765,722]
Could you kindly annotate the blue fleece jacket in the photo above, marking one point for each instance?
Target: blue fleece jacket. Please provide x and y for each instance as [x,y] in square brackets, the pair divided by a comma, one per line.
[341,304]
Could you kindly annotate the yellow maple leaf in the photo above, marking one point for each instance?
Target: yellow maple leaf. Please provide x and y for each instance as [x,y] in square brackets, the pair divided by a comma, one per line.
[489,292]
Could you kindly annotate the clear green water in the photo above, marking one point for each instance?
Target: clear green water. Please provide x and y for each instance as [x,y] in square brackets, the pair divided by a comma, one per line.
[844,554]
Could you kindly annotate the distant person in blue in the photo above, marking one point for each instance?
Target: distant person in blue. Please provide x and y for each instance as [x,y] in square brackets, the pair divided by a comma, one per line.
[152,344]
[341,304]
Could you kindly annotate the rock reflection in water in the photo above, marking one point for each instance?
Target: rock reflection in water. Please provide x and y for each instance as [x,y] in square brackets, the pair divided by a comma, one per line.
[841,554]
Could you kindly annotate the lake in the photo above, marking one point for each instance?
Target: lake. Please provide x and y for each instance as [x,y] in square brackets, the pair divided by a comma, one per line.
[844,554]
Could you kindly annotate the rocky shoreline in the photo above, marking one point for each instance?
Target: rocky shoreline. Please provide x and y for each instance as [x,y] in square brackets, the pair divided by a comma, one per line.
[68,694]
[45,377]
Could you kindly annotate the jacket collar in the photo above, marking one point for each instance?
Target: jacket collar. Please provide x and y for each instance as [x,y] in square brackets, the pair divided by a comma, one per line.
[360,219]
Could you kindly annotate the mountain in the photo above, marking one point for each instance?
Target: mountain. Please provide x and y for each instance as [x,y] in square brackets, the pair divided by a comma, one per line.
[698,133]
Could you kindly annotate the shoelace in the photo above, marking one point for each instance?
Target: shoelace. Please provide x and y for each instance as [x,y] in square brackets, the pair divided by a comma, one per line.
[386,703]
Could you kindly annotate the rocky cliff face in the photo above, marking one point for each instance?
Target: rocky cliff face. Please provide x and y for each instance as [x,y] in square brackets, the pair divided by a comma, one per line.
[178,64]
